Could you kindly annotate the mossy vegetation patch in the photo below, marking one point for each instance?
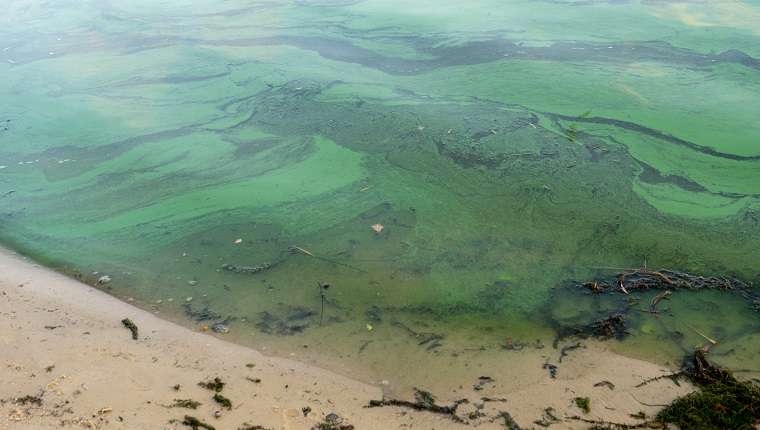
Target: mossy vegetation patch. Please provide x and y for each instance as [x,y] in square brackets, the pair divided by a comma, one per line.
[723,402]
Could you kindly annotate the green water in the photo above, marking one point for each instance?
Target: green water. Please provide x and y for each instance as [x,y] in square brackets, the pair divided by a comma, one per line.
[510,150]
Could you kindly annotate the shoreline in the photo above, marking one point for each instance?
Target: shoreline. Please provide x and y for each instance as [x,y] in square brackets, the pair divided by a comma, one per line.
[72,362]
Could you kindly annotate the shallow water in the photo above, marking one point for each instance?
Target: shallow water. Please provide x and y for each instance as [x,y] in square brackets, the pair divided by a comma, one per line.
[511,152]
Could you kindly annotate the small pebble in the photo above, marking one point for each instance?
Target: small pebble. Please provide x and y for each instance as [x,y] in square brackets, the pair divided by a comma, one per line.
[217,414]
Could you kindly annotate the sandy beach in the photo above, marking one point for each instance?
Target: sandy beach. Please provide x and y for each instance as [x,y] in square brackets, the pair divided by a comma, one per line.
[69,362]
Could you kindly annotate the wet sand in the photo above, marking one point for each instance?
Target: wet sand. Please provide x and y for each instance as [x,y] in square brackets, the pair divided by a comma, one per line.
[69,361]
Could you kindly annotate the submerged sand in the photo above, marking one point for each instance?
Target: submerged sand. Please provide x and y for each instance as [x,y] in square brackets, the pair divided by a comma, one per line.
[69,361]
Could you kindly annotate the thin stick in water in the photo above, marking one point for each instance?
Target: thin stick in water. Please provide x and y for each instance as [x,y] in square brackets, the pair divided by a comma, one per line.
[303,250]
[701,334]
[322,295]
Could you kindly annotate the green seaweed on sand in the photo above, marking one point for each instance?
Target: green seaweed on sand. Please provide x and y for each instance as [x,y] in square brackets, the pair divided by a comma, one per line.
[195,423]
[185,403]
[424,402]
[131,326]
[722,403]
[225,402]
[424,397]
[216,385]
[583,403]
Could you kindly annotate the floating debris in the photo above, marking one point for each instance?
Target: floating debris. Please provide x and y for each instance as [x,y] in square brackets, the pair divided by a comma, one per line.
[299,249]
[423,338]
[612,327]
[517,345]
[656,300]
[645,279]
[246,269]
[623,286]
[377,227]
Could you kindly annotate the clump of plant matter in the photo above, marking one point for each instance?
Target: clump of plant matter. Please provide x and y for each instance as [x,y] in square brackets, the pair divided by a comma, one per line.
[723,402]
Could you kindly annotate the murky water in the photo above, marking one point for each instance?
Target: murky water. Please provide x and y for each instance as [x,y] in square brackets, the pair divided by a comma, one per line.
[221,161]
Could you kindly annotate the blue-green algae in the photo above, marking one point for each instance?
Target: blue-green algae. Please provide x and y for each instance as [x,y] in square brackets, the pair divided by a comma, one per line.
[505,148]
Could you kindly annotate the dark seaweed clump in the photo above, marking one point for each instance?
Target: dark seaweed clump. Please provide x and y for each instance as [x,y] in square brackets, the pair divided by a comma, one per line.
[723,402]
[612,327]
[131,326]
[196,424]
[424,402]
[215,385]
[34,400]
[185,403]
[225,402]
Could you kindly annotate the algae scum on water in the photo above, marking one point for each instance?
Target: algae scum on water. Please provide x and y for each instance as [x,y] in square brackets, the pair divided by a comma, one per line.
[443,167]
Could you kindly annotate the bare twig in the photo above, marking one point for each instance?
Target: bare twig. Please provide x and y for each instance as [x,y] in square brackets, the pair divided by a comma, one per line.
[636,271]
[657,299]
[303,250]
[702,334]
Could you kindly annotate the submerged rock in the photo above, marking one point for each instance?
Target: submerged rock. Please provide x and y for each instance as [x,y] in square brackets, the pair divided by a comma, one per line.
[220,327]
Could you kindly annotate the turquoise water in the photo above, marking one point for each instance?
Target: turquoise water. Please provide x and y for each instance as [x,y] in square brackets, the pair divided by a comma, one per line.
[510,151]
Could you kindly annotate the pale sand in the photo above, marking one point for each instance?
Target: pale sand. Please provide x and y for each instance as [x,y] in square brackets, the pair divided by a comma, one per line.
[64,342]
